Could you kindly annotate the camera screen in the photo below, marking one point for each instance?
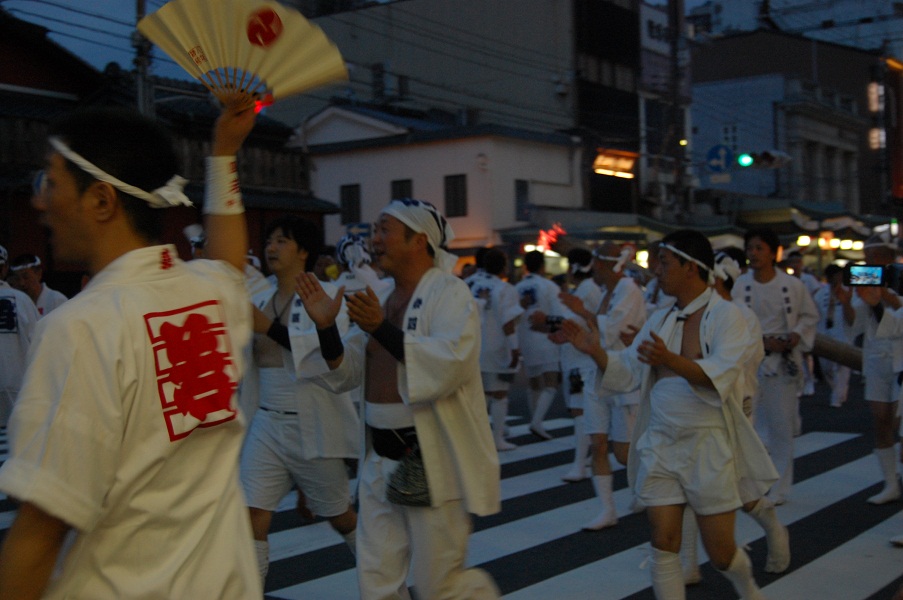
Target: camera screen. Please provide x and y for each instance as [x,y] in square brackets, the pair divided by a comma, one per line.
[866,274]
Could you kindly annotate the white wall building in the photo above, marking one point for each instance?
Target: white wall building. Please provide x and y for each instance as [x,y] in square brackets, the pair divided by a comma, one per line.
[485,178]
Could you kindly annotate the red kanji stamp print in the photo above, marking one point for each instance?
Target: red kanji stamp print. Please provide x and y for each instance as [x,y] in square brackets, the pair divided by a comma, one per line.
[196,375]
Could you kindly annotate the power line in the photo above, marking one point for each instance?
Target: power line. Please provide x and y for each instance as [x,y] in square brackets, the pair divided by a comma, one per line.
[86,13]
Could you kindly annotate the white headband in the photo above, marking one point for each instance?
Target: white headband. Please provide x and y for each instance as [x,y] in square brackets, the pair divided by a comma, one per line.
[171,194]
[620,260]
[682,254]
[425,218]
[726,267]
[578,268]
[35,263]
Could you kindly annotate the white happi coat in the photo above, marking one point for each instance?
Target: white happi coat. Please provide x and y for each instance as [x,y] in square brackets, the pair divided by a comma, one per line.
[537,293]
[440,382]
[49,299]
[498,304]
[18,317]
[625,307]
[328,421]
[725,343]
[127,428]
[799,315]
[571,358]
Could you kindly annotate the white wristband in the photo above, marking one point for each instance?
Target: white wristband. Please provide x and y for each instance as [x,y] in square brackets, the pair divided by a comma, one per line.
[513,341]
[222,195]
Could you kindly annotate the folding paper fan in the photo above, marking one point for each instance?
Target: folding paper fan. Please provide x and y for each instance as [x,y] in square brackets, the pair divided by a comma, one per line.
[258,48]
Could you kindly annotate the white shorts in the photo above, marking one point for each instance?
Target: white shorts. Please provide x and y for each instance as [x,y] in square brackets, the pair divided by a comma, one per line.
[880,380]
[496,382]
[692,466]
[541,368]
[603,415]
[579,384]
[271,462]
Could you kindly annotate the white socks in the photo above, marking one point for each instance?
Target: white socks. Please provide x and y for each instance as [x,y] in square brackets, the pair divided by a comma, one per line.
[739,573]
[689,548]
[498,409]
[543,402]
[351,539]
[667,576]
[581,442]
[776,536]
[609,515]
[887,460]
[262,549]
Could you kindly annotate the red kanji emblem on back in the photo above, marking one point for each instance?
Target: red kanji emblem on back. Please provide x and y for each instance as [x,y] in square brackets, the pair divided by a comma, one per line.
[196,375]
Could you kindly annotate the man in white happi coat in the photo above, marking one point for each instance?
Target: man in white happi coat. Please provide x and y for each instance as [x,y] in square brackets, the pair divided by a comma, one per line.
[578,369]
[126,433]
[788,318]
[18,316]
[882,360]
[610,416]
[500,312]
[831,324]
[692,443]
[540,357]
[26,274]
[417,351]
[301,433]
[757,506]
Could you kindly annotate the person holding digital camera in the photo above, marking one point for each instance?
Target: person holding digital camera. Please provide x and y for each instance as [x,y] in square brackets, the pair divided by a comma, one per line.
[882,359]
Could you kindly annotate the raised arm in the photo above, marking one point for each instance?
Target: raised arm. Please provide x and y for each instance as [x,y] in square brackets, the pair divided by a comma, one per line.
[224,218]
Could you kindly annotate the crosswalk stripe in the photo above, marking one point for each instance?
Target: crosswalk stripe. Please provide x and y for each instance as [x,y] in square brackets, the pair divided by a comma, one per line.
[541,519]
[521,534]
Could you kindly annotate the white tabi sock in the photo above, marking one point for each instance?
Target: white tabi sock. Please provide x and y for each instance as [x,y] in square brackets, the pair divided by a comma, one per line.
[739,573]
[609,515]
[262,549]
[689,557]
[543,402]
[499,410]
[351,539]
[667,576]
[581,447]
[776,536]
[887,461]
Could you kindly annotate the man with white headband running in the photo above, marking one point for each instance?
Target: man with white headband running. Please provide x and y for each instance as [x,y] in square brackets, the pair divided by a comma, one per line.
[687,363]
[126,433]
[416,350]
[610,416]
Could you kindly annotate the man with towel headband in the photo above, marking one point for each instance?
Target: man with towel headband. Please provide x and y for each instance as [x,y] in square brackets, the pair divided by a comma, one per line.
[692,444]
[417,350]
[125,435]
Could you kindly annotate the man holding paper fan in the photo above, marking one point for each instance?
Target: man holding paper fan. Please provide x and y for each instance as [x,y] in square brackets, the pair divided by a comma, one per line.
[126,433]
[430,458]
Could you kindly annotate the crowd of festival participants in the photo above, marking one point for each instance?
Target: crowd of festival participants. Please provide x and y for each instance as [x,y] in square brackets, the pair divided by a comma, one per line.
[160,417]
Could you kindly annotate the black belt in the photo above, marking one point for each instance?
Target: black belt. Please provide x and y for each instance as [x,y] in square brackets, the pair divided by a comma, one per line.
[279,412]
[393,443]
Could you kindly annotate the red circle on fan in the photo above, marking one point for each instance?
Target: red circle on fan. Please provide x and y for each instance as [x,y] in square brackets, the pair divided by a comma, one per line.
[264,27]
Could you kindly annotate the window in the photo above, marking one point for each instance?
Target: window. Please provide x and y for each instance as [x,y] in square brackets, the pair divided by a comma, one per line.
[350,200]
[521,200]
[456,195]
[402,188]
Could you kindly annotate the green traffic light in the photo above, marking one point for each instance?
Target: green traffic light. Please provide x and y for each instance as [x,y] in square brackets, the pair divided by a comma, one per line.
[745,160]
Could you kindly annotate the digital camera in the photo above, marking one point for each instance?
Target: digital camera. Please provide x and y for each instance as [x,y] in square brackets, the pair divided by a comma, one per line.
[890,276]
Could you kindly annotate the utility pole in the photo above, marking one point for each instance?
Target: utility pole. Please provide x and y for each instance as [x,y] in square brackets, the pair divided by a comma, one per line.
[678,133]
[142,60]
